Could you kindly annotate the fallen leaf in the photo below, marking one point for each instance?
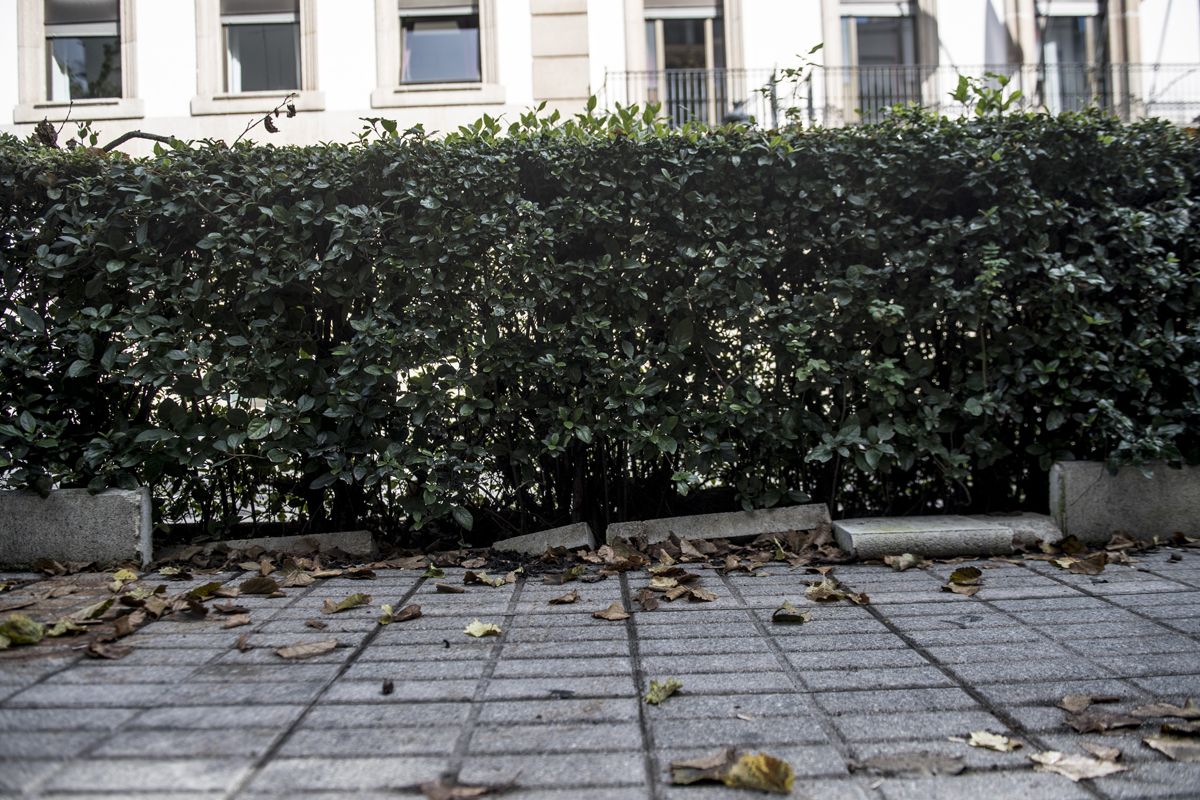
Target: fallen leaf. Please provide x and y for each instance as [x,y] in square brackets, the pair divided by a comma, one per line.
[670,595]
[700,594]
[1074,766]
[243,643]
[902,562]
[1177,747]
[434,572]
[389,615]
[92,612]
[1182,728]
[259,585]
[120,578]
[647,600]
[1099,722]
[20,629]
[175,573]
[661,583]
[573,574]
[858,598]
[306,650]
[827,591]
[1092,565]
[1079,702]
[297,579]
[480,629]
[107,651]
[562,600]
[316,624]
[448,789]
[966,576]
[760,771]
[446,588]
[236,621]
[994,741]
[353,601]
[482,578]
[123,626]
[230,608]
[67,626]
[661,690]
[1189,710]
[921,763]
[388,687]
[788,614]
[1102,752]
[473,563]
[613,613]
[708,768]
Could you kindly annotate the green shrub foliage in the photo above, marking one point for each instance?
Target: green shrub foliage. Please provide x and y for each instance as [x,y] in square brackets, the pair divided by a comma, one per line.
[601,320]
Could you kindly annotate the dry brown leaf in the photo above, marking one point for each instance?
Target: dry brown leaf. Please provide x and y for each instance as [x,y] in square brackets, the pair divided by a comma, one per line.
[1189,710]
[1099,722]
[1185,748]
[1079,702]
[661,583]
[902,562]
[1102,752]
[761,771]
[447,789]
[482,578]
[353,601]
[1092,565]
[307,650]
[446,588]
[674,594]
[708,768]
[316,624]
[700,594]
[788,614]
[827,591]
[243,643]
[565,599]
[924,764]
[389,615]
[297,579]
[1074,766]
[236,621]
[259,585]
[994,741]
[647,600]
[473,563]
[107,651]
[613,613]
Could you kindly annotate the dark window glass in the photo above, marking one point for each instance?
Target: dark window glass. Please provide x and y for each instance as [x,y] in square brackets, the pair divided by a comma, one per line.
[439,49]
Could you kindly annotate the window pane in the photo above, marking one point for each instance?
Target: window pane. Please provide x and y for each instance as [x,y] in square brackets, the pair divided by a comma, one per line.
[259,7]
[683,44]
[262,58]
[72,12]
[83,67]
[440,49]
[884,41]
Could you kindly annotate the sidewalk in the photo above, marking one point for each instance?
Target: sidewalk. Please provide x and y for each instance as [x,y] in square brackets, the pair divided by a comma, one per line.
[553,705]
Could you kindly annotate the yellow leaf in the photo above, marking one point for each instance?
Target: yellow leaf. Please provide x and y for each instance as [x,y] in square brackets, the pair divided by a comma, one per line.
[761,771]
[479,629]
[993,741]
[660,691]
[353,601]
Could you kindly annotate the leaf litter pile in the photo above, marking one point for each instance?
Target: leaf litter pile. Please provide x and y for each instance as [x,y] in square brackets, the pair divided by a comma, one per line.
[105,607]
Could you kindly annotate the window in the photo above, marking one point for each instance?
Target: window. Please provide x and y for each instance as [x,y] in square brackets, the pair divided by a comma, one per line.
[435,53]
[83,49]
[76,59]
[251,53]
[879,43]
[685,60]
[262,45]
[1070,55]
[440,48]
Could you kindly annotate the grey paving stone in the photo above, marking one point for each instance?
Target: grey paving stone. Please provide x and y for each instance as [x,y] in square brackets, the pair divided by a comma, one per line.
[1165,643]
[1155,780]
[404,691]
[21,776]
[597,649]
[218,717]
[545,737]
[211,743]
[280,671]
[561,667]
[396,739]
[876,701]
[915,726]
[811,761]
[238,693]
[23,743]
[415,670]
[743,734]
[705,662]
[827,789]
[1149,664]
[64,719]
[1049,692]
[754,706]
[148,774]
[915,677]
[541,688]
[1032,670]
[855,659]
[1021,785]
[76,696]
[959,636]
[556,770]
[289,775]
[359,715]
[429,651]
[1172,686]
[590,710]
[982,653]
[111,676]
[729,683]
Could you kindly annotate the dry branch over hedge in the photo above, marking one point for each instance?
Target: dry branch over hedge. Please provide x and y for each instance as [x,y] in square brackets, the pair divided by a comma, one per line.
[603,320]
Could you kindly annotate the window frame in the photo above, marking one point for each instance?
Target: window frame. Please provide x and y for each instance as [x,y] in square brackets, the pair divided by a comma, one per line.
[391,93]
[211,64]
[33,90]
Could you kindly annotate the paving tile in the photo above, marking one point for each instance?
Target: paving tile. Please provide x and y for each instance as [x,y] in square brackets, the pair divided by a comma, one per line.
[1010,784]
[349,774]
[877,701]
[218,717]
[915,726]
[27,744]
[567,710]
[396,739]
[148,774]
[545,737]
[210,743]
[556,770]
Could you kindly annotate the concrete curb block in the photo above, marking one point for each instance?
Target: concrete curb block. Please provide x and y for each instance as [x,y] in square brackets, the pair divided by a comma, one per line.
[75,525]
[534,544]
[940,536]
[353,543]
[724,526]
[1091,504]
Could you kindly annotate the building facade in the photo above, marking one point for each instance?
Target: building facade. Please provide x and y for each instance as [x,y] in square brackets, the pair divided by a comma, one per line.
[204,68]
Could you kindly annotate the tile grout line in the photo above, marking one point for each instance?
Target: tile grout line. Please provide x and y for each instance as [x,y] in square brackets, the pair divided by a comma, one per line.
[831,731]
[649,758]
[1011,722]
[461,745]
[243,783]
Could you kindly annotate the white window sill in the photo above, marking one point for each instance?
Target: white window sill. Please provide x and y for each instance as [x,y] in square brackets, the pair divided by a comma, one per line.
[81,110]
[437,94]
[254,102]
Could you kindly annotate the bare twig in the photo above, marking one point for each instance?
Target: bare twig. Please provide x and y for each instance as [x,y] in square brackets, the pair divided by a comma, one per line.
[125,137]
[67,118]
[266,120]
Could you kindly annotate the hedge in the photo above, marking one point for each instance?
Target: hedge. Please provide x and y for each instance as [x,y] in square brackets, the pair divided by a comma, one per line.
[601,320]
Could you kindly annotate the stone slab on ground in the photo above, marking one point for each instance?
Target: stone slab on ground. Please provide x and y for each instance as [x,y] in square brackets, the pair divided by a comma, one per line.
[75,525]
[939,536]
[736,524]
[354,543]
[254,725]
[1091,504]
[534,544]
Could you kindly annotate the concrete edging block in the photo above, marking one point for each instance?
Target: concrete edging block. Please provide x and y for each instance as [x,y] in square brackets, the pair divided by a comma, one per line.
[937,536]
[75,525]
[571,537]
[730,525]
[1091,504]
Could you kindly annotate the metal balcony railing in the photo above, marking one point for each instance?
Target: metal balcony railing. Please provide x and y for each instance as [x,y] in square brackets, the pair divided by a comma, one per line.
[850,95]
